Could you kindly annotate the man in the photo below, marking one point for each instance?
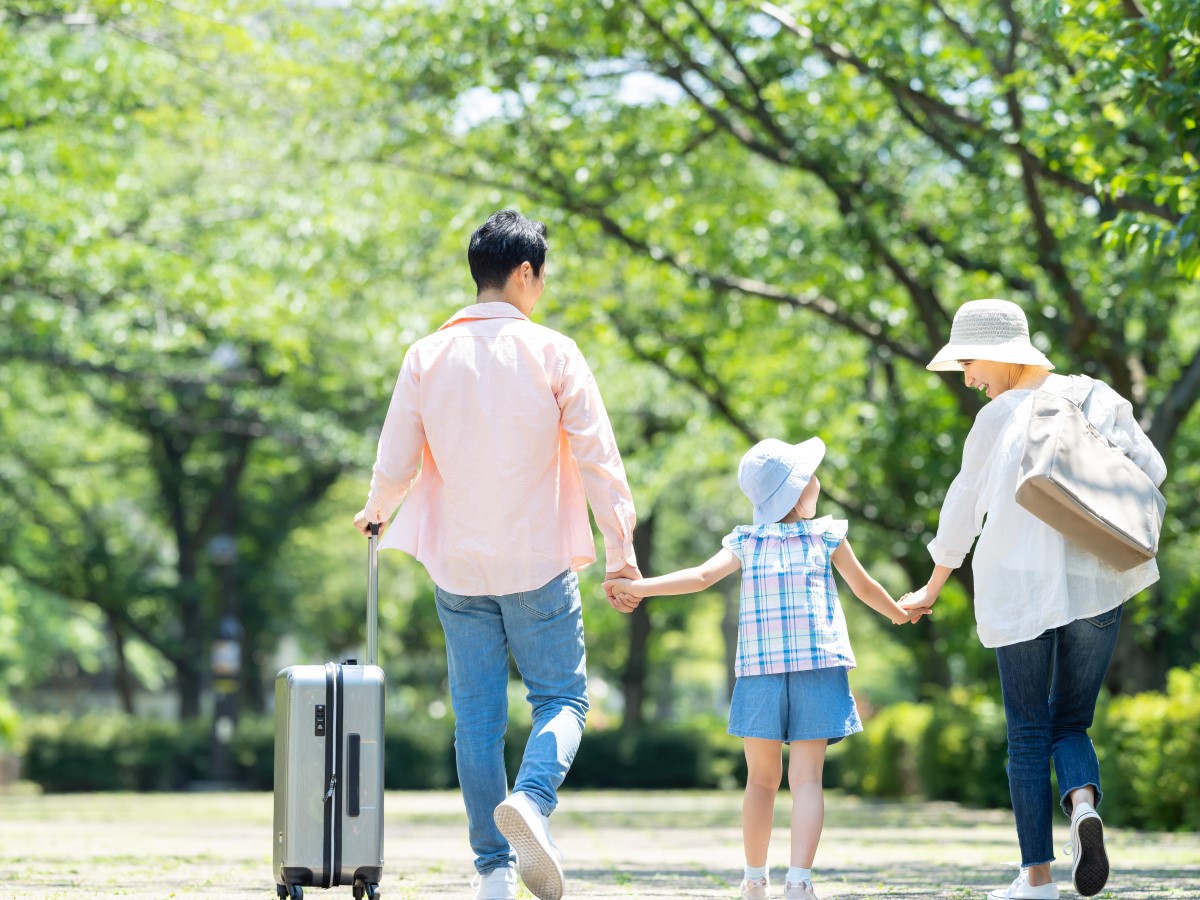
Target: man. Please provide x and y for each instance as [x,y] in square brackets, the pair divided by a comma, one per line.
[504,423]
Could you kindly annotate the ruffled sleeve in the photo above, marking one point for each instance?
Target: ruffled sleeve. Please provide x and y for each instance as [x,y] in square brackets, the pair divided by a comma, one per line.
[835,533]
[736,540]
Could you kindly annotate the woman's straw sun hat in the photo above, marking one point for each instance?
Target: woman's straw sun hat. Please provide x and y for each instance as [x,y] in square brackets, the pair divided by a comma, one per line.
[995,330]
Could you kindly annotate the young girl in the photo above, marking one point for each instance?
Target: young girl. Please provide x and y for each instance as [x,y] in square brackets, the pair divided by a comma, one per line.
[793,650]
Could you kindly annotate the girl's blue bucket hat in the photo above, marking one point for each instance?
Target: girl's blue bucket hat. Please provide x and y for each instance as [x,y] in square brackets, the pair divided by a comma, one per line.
[774,473]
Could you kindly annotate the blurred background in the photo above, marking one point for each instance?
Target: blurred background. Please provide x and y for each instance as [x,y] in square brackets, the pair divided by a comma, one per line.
[222,224]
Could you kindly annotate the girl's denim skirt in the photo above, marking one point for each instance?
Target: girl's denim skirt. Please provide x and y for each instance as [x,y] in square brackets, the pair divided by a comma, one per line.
[794,706]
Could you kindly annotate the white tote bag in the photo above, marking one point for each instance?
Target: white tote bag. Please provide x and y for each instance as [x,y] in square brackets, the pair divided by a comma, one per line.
[1073,479]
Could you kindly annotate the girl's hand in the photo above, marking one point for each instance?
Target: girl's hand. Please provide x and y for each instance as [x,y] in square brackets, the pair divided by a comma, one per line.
[905,616]
[617,590]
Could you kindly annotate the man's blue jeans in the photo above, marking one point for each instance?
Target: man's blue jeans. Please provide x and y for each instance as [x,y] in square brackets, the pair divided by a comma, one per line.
[1050,685]
[544,630]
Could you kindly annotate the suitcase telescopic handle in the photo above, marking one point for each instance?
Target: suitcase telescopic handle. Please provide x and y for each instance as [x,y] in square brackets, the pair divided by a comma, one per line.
[373,595]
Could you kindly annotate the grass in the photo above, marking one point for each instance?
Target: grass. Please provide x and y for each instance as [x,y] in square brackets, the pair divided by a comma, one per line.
[617,845]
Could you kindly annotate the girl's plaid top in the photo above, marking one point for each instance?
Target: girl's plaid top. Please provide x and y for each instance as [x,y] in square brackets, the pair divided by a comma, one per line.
[790,618]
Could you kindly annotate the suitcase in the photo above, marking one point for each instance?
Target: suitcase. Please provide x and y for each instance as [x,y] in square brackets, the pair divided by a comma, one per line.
[329,767]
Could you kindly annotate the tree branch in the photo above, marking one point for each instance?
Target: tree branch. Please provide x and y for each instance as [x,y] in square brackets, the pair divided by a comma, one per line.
[1175,407]
[715,394]
[814,302]
[930,239]
[836,54]
[84,516]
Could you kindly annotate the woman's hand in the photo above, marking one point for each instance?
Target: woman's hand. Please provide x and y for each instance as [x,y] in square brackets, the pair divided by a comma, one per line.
[919,602]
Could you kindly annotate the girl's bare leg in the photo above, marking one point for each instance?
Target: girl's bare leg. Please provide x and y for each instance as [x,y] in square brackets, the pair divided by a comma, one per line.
[764,765]
[808,799]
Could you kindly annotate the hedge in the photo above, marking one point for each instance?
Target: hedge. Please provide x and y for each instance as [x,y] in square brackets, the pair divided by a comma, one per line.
[1149,749]
[952,747]
[113,753]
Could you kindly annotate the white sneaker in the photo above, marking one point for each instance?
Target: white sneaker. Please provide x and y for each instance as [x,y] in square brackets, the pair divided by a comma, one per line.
[1021,889]
[799,890]
[756,889]
[1089,870]
[498,884]
[539,861]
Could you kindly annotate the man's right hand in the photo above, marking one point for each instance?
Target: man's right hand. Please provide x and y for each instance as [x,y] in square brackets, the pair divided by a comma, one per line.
[617,603]
[363,523]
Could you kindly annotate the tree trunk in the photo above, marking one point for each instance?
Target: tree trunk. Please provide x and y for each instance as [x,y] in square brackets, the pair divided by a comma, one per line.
[634,681]
[124,679]
[190,676]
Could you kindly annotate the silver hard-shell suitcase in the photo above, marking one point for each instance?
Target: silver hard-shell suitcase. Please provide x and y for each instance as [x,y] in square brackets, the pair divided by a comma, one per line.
[329,768]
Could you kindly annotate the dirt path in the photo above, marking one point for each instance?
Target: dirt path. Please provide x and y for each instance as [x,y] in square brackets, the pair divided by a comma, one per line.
[617,845]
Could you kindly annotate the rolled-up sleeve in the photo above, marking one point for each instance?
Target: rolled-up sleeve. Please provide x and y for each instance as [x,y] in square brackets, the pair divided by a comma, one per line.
[1120,427]
[400,444]
[585,422]
[963,510]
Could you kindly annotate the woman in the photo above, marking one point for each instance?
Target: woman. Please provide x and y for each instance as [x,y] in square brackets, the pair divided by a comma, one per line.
[1051,609]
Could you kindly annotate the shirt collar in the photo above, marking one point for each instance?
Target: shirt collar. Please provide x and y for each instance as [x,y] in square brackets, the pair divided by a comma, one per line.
[497,309]
[802,526]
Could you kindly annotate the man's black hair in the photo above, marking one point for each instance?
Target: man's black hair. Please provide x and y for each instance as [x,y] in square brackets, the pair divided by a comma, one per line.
[501,244]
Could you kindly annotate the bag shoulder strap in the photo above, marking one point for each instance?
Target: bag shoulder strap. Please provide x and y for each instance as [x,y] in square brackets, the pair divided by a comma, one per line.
[1080,390]
[1079,393]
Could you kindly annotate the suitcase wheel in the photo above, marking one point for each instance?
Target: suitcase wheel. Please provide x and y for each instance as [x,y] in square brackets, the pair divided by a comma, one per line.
[289,891]
[365,889]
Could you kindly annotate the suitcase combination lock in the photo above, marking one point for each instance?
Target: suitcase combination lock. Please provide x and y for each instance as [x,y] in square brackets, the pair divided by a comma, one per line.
[319,726]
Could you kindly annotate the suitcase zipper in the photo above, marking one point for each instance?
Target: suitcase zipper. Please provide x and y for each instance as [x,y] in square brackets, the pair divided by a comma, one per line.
[336,779]
[332,735]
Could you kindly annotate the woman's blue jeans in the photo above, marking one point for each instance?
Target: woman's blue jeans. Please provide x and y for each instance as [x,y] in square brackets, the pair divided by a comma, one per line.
[1050,685]
[543,629]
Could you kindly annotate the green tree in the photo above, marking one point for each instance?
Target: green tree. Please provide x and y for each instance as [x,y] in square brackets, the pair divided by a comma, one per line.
[189,293]
[797,199]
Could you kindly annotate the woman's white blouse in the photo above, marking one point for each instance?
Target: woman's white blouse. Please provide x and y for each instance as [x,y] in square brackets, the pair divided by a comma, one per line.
[1028,577]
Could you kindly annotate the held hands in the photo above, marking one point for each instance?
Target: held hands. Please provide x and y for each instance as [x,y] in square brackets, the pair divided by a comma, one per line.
[617,589]
[919,602]
[905,617]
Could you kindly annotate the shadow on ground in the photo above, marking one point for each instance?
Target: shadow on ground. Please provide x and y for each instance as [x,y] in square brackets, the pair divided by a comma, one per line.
[622,846]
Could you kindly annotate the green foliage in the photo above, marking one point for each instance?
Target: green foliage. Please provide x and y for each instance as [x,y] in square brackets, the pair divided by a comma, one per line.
[418,754]
[185,303]
[962,750]
[954,747]
[116,752]
[10,724]
[651,757]
[777,211]
[1149,763]
[950,747]
[222,226]
[113,753]
[884,759]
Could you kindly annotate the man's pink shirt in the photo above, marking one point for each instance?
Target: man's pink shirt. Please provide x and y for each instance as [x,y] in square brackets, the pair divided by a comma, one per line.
[496,439]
